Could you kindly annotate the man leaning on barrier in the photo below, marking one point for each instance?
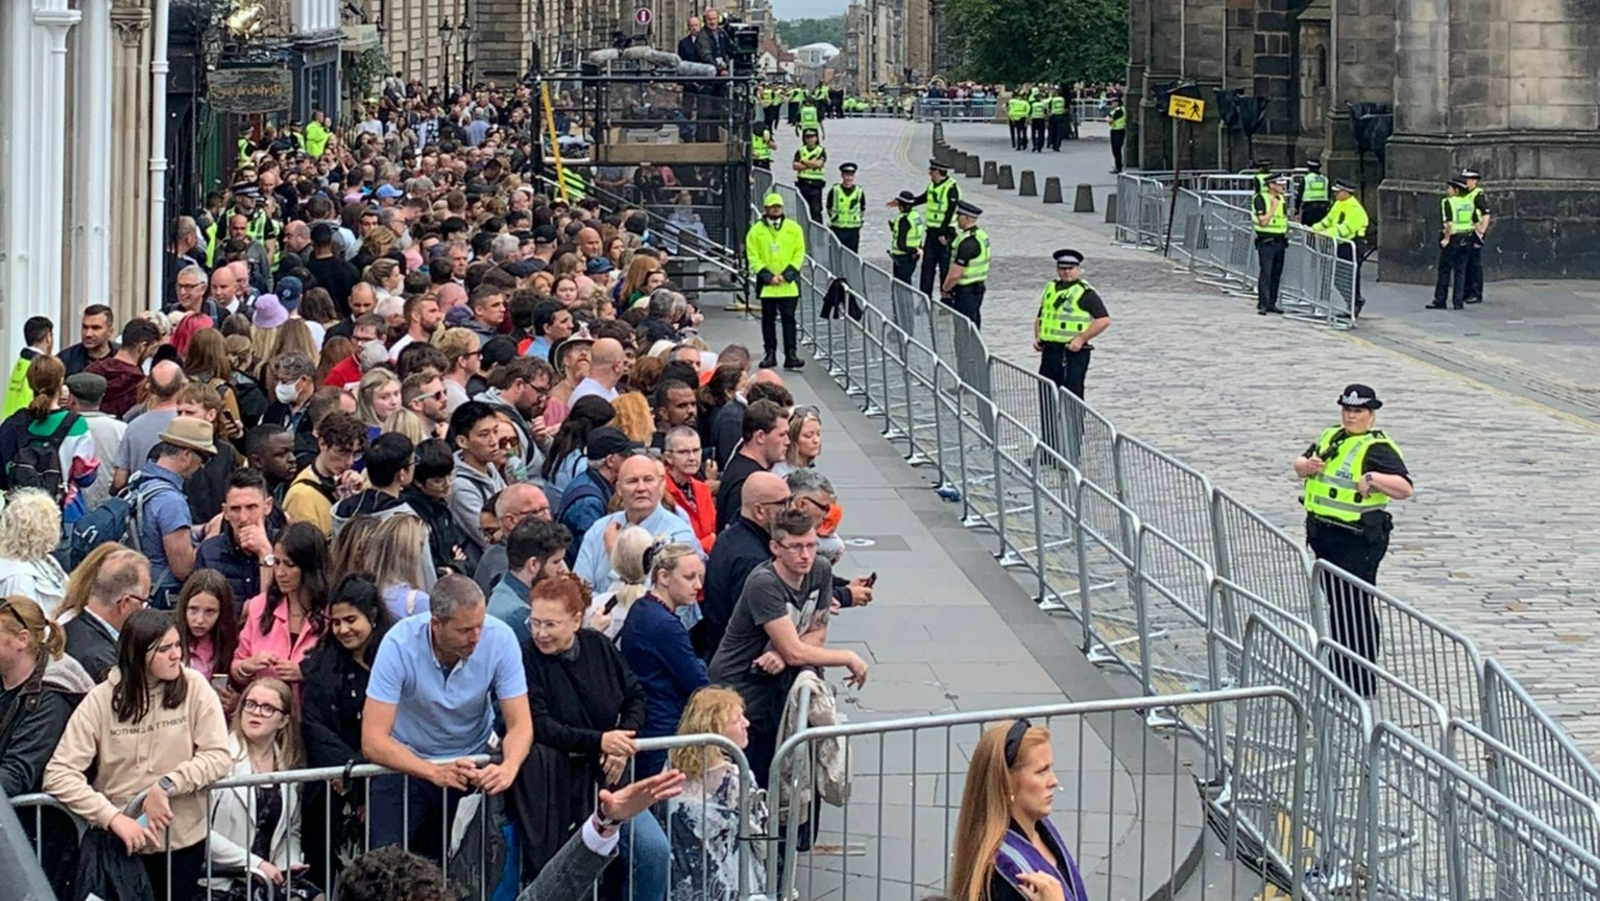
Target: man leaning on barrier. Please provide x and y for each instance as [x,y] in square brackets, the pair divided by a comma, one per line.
[1347,221]
[1351,473]
[429,699]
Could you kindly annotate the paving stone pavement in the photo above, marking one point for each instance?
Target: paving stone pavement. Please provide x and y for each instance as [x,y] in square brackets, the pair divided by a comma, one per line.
[1502,538]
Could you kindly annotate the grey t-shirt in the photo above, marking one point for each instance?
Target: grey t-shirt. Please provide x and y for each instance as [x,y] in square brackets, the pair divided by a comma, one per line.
[143,434]
[764,599]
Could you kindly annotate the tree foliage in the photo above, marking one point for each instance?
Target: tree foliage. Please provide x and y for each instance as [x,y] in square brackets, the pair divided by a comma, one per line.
[1017,41]
[800,32]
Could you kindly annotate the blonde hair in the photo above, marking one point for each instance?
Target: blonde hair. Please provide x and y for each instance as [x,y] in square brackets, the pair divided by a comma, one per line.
[372,381]
[797,424]
[667,559]
[394,552]
[633,416]
[986,810]
[30,525]
[44,633]
[627,558]
[708,710]
[295,335]
[263,341]
[406,422]
[80,583]
[287,749]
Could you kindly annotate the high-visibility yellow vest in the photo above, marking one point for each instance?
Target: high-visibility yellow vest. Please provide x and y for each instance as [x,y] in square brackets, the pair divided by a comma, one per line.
[1017,109]
[913,233]
[774,250]
[1333,493]
[1061,318]
[939,202]
[1314,187]
[846,208]
[821,93]
[1058,105]
[574,183]
[1036,109]
[1459,214]
[977,270]
[1118,119]
[1346,219]
[769,97]
[760,147]
[797,94]
[1279,223]
[807,154]
[808,116]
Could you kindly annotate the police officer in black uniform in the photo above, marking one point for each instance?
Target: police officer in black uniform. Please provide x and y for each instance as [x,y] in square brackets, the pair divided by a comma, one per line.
[905,238]
[1351,473]
[846,207]
[1480,226]
[967,280]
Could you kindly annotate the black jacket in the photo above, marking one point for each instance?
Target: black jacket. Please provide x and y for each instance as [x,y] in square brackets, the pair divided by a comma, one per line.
[444,535]
[575,699]
[336,692]
[91,644]
[243,571]
[33,722]
[740,548]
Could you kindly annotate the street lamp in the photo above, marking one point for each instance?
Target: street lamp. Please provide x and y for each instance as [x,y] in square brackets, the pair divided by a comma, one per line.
[464,34]
[445,29]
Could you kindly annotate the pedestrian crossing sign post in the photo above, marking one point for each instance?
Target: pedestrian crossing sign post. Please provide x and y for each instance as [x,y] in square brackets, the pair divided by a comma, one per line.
[1186,108]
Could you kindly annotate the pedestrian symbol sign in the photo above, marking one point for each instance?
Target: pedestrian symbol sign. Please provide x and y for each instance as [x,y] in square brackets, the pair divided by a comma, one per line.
[1186,108]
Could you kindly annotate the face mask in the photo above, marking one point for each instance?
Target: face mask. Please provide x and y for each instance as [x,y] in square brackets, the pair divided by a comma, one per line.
[286,393]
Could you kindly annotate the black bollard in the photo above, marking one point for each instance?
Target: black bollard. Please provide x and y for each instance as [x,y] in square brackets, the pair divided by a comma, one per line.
[1052,190]
[1111,208]
[1027,187]
[990,172]
[1004,179]
[973,167]
[1084,202]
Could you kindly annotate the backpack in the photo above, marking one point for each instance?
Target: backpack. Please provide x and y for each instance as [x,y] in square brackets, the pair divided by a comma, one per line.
[37,463]
[117,519]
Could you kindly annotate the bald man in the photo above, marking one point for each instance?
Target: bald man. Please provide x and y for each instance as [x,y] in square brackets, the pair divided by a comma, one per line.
[589,244]
[608,363]
[517,503]
[144,431]
[640,483]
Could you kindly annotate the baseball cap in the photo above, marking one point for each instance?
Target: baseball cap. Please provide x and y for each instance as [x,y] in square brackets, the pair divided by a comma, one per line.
[606,440]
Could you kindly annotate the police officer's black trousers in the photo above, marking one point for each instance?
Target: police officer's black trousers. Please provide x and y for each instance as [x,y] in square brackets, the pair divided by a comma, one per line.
[1118,135]
[1352,622]
[763,165]
[1270,253]
[1058,130]
[849,237]
[905,266]
[1312,212]
[935,265]
[772,308]
[1037,126]
[1452,273]
[770,114]
[794,113]
[1351,292]
[1062,422]
[1473,283]
[968,301]
[811,190]
[1019,134]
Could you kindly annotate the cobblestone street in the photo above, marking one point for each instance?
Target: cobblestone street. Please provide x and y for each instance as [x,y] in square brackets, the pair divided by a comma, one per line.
[1503,537]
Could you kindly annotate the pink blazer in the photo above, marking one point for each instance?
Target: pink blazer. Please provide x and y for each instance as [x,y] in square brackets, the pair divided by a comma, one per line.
[253,641]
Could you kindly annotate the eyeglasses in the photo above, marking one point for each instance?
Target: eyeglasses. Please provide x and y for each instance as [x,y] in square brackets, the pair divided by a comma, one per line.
[262,708]
[507,443]
[803,547]
[780,502]
[144,600]
[545,625]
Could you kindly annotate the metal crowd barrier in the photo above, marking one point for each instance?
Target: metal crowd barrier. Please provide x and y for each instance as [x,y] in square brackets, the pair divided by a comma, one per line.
[945,110]
[475,840]
[1177,585]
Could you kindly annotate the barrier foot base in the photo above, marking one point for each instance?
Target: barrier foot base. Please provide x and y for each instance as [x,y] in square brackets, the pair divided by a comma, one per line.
[871,409]
[854,390]
[1010,559]
[974,520]
[893,434]
[920,460]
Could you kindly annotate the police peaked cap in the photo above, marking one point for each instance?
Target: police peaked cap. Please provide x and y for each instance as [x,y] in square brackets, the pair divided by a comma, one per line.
[1361,397]
[935,164]
[906,197]
[1343,186]
[966,209]
[847,168]
[1458,184]
[1471,173]
[1068,258]
[1313,164]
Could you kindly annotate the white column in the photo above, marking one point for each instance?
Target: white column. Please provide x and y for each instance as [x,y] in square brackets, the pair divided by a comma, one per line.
[52,20]
[91,232]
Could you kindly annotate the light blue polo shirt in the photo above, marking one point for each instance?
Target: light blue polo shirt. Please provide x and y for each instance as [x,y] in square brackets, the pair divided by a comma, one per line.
[439,713]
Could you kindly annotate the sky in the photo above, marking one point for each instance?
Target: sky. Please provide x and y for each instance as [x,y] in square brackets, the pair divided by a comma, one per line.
[808,9]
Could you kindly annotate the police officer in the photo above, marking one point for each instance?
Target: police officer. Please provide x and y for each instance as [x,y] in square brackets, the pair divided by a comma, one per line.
[810,163]
[1480,225]
[1058,119]
[964,286]
[811,117]
[1017,112]
[941,197]
[847,206]
[1263,175]
[1038,118]
[1117,119]
[905,237]
[796,95]
[1351,473]
[771,100]
[1071,314]
[1347,220]
[1313,194]
[1456,236]
[820,98]
[762,145]
[776,248]
[1271,211]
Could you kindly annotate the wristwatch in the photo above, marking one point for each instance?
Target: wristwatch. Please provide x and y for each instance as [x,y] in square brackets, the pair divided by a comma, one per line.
[269,560]
[604,822]
[166,784]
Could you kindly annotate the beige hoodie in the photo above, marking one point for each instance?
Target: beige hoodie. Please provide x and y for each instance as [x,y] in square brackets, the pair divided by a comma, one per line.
[189,744]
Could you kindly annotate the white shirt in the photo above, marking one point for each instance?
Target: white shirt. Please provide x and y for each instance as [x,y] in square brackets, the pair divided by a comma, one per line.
[587,387]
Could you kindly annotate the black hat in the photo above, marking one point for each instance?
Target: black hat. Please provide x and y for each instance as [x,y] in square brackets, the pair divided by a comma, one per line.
[907,198]
[1314,165]
[964,208]
[544,234]
[935,164]
[1068,258]
[1471,173]
[498,350]
[847,168]
[606,440]
[808,133]
[1278,180]
[1360,397]
[1457,183]
[523,268]
[1343,186]
[1262,165]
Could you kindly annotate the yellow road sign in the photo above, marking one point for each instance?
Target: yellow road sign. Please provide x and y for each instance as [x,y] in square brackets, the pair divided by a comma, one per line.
[1186,108]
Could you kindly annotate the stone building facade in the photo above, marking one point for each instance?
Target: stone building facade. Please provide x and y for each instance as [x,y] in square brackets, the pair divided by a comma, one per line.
[1509,87]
